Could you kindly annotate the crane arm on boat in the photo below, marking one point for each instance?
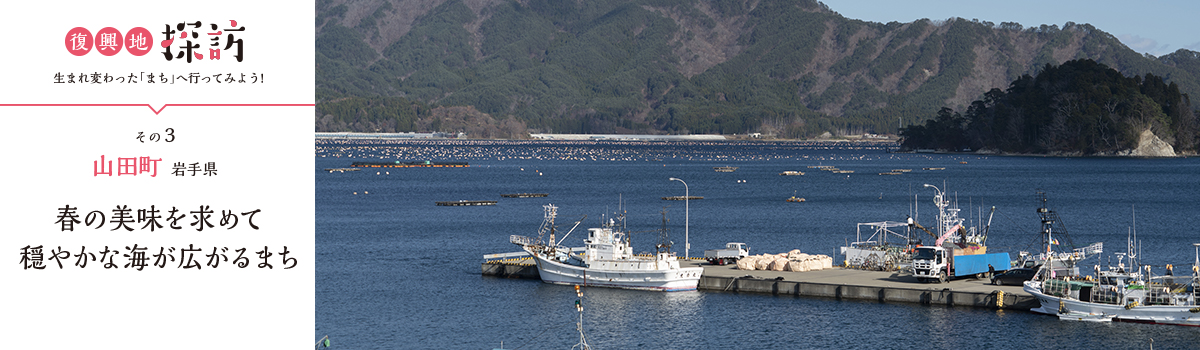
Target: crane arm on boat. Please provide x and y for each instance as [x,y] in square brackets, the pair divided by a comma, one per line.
[564,238]
[949,232]
[913,223]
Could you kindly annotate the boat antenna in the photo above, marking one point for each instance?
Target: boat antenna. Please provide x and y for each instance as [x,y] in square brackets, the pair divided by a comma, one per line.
[551,212]
[1196,265]
[664,241]
[1129,244]
[624,224]
[916,208]
[910,205]
[1136,246]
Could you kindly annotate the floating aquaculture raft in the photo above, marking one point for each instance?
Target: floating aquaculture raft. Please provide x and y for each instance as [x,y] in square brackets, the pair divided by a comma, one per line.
[415,164]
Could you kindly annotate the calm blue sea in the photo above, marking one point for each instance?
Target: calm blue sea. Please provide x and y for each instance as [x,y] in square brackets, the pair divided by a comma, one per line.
[394,271]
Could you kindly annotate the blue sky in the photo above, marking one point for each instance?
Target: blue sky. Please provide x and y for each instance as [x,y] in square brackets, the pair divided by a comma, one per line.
[1156,27]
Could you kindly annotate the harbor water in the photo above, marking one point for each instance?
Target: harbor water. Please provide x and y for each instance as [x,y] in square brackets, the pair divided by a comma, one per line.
[396,271]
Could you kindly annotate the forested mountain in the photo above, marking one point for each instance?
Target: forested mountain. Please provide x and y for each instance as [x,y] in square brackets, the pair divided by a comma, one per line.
[788,68]
[1081,107]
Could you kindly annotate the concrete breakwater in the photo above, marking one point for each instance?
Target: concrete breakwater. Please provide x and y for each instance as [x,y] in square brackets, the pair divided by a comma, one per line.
[837,283]
[995,299]
[512,268]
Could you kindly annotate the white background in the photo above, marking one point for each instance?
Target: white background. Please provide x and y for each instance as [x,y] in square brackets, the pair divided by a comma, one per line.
[264,161]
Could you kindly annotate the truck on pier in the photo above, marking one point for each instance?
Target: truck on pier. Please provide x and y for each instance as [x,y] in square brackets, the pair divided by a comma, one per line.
[958,251]
[732,252]
[941,264]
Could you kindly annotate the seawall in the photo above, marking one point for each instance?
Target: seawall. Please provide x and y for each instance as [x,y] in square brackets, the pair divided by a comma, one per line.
[836,283]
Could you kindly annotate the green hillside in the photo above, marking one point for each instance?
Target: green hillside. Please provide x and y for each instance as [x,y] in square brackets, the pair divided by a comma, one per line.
[1081,107]
[784,68]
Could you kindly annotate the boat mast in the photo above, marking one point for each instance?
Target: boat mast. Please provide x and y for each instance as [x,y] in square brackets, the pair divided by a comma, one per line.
[1136,246]
[621,210]
[664,241]
[551,212]
[1196,265]
[1047,229]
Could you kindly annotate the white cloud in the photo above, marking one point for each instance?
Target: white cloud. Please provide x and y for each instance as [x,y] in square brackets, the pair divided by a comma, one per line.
[1144,45]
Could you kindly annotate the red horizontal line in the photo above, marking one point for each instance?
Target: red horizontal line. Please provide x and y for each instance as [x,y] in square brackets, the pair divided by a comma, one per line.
[152,107]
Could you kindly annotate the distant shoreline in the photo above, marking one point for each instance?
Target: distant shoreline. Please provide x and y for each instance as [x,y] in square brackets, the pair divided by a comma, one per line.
[592,137]
[1043,155]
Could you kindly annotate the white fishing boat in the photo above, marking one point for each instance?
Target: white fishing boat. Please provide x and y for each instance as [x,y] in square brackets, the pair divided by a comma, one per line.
[876,253]
[607,260]
[1119,293]
[1065,262]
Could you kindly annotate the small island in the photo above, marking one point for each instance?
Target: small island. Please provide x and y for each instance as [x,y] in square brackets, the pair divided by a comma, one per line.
[1080,108]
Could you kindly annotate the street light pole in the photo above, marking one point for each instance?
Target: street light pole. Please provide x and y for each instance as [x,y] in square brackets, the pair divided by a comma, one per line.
[687,196]
[939,191]
[937,199]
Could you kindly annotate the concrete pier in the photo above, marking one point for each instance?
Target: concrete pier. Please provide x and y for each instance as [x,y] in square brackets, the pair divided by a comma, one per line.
[837,283]
[341,170]
[680,198]
[462,203]
[523,268]
[524,195]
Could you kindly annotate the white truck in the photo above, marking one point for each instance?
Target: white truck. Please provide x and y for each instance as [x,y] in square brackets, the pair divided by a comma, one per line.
[941,264]
[732,252]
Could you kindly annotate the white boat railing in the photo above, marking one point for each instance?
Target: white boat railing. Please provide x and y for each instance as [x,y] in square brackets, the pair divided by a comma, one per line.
[1092,249]
[522,240]
[1057,287]
[1076,255]
[1106,294]
[505,255]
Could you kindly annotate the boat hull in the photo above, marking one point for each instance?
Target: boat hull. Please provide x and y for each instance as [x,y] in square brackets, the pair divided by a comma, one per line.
[665,280]
[1155,314]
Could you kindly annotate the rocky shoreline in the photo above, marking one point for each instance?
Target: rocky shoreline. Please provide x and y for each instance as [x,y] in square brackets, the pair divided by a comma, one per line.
[1149,146]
